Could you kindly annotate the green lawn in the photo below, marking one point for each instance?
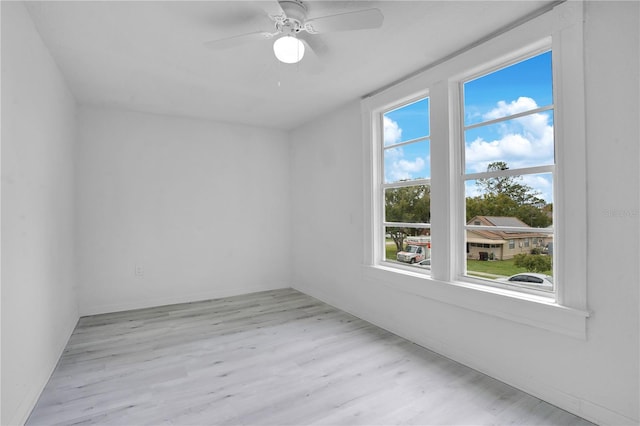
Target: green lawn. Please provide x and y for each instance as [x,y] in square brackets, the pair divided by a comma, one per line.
[485,269]
[390,250]
[496,268]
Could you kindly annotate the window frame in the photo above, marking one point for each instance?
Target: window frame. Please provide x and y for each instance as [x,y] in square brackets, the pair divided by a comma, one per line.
[561,29]
[383,186]
[462,274]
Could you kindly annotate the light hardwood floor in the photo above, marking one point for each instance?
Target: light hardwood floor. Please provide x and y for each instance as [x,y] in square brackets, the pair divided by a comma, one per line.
[270,358]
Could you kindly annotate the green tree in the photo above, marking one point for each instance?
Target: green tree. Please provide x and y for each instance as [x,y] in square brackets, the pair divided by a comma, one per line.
[509,186]
[491,205]
[411,204]
[533,262]
[507,196]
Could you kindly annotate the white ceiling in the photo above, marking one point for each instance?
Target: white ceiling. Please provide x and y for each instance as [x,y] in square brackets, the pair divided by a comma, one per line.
[149,55]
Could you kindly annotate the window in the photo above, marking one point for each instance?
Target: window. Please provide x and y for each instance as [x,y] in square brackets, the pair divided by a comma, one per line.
[501,162]
[406,183]
[509,164]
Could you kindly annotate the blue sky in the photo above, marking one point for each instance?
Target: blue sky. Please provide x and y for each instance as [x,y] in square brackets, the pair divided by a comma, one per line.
[522,142]
[530,79]
[410,161]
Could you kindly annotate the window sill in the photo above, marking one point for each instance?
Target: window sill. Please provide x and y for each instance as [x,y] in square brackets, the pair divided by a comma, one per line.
[525,309]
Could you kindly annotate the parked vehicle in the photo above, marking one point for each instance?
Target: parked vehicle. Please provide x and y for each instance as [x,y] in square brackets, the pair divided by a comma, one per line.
[531,279]
[426,264]
[418,249]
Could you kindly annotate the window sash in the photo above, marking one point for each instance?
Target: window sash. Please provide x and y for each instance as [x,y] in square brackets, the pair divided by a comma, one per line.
[507,117]
[406,225]
[551,168]
[409,142]
[405,184]
[461,269]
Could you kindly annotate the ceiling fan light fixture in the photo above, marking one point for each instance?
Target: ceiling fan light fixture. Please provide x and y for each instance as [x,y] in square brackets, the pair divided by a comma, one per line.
[288,49]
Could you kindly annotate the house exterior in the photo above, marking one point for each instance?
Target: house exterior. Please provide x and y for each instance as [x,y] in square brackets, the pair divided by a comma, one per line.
[500,244]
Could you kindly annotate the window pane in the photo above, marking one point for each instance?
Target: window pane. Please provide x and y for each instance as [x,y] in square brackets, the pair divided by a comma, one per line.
[407,162]
[509,262]
[522,142]
[517,201]
[410,204]
[525,201]
[523,86]
[411,246]
[407,123]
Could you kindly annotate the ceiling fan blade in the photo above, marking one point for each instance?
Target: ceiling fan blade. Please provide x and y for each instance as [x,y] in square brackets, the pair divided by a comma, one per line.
[311,63]
[359,20]
[314,42]
[272,8]
[235,41]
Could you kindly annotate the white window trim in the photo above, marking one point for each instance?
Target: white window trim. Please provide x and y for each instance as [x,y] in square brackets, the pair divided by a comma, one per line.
[382,185]
[458,151]
[568,313]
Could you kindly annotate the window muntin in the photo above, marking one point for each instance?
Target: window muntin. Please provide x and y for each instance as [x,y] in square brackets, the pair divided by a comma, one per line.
[509,165]
[527,141]
[485,96]
[406,184]
[407,123]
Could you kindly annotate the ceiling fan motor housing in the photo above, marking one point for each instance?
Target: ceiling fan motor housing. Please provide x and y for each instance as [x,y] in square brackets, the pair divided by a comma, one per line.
[294,10]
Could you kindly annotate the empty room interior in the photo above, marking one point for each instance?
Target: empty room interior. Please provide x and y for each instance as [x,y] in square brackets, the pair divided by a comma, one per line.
[421,212]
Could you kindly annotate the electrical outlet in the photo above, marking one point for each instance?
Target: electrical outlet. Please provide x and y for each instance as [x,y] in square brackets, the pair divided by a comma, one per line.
[138,272]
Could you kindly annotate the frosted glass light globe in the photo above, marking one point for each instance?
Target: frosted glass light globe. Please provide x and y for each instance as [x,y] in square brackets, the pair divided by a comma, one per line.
[288,49]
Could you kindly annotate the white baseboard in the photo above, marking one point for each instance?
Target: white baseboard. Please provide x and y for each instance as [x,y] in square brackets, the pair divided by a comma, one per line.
[586,409]
[151,302]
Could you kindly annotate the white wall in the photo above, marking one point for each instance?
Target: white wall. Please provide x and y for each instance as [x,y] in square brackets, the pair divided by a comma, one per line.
[39,307]
[201,207]
[596,378]
[190,201]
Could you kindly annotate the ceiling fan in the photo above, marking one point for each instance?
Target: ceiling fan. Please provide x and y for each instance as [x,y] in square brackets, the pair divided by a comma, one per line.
[291,20]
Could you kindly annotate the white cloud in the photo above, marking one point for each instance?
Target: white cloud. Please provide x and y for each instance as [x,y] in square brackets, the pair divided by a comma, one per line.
[397,167]
[398,164]
[522,142]
[471,189]
[504,109]
[392,132]
[412,166]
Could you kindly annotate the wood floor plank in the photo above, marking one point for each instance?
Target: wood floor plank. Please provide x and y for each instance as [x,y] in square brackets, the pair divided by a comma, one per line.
[270,358]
